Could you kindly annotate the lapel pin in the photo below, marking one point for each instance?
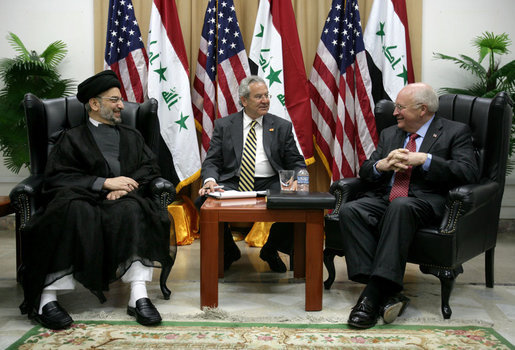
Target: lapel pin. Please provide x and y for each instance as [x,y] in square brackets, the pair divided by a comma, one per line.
[272,129]
[435,135]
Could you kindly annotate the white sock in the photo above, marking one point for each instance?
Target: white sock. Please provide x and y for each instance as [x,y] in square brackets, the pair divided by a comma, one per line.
[138,291]
[46,297]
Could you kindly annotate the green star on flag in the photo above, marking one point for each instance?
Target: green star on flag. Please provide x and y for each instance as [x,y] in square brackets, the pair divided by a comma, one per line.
[260,34]
[404,74]
[274,76]
[381,30]
[161,72]
[182,122]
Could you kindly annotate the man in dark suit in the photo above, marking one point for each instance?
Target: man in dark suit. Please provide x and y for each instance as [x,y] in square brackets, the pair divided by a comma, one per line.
[415,164]
[275,150]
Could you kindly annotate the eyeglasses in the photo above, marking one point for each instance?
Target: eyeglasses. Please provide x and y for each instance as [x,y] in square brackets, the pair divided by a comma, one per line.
[401,107]
[259,97]
[113,99]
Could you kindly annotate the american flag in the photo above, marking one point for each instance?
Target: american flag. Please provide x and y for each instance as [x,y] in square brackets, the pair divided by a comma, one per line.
[340,89]
[221,55]
[125,53]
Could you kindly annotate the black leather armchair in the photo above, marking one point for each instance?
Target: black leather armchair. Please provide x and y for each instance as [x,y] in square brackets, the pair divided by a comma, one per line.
[46,119]
[469,226]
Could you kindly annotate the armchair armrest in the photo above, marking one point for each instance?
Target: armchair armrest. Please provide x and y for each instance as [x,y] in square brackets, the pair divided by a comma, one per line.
[23,197]
[464,200]
[163,192]
[346,190]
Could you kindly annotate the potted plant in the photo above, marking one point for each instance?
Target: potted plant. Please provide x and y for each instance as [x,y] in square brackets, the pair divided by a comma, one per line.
[490,79]
[27,72]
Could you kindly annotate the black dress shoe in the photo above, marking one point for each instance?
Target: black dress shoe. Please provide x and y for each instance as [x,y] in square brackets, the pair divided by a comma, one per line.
[230,257]
[54,316]
[394,306]
[364,314]
[145,312]
[272,258]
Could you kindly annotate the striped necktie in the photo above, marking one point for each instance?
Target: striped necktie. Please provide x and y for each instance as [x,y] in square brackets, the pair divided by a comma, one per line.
[248,161]
[401,182]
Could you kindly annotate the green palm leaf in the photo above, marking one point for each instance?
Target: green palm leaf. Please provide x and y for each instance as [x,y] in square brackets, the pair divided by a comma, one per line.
[489,43]
[18,46]
[54,53]
[28,72]
[490,80]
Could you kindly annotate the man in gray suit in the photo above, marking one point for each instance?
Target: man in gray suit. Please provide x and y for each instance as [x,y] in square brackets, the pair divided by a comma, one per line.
[414,166]
[275,150]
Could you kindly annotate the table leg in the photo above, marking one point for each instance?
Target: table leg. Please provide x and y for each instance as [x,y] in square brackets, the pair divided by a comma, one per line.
[209,260]
[314,258]
[299,250]
[221,228]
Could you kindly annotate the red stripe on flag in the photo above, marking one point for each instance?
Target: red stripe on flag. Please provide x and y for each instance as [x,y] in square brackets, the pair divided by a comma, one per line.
[237,67]
[326,76]
[296,89]
[115,68]
[170,19]
[364,102]
[322,107]
[400,9]
[134,77]
[226,91]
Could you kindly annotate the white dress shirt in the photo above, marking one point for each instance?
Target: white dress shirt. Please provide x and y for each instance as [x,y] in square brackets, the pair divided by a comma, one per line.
[263,167]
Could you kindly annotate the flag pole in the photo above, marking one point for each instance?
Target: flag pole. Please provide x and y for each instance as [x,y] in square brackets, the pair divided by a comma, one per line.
[216,61]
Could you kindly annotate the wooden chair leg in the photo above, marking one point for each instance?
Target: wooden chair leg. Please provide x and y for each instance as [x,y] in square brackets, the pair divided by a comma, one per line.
[329,254]
[329,265]
[447,284]
[165,272]
[19,247]
[489,267]
[447,278]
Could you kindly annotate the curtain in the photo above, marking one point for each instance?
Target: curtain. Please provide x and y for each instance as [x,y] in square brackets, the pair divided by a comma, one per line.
[310,16]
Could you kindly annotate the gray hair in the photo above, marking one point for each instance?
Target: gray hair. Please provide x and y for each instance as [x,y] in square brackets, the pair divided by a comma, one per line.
[244,90]
[88,107]
[427,96]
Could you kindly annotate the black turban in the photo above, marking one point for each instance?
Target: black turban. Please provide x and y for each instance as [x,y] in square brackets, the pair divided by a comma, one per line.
[97,84]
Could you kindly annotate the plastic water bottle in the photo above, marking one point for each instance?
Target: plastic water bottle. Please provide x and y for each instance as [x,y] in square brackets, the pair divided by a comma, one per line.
[303,180]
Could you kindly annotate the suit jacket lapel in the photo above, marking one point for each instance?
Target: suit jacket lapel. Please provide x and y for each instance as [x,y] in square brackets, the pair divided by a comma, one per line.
[268,132]
[398,140]
[236,132]
[433,133]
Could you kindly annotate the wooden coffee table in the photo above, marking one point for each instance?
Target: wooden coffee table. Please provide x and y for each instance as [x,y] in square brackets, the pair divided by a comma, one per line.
[309,236]
[5,206]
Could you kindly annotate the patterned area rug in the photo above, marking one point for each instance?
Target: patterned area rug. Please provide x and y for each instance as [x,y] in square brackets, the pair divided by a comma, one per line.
[217,335]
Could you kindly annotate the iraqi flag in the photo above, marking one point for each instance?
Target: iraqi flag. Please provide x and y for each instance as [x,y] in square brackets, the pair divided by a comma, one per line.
[388,47]
[276,40]
[168,83]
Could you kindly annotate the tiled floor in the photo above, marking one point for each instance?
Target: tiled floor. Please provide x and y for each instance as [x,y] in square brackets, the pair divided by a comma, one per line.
[251,293]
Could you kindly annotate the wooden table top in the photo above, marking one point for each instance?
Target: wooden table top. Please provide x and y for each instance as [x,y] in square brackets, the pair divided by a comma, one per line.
[5,206]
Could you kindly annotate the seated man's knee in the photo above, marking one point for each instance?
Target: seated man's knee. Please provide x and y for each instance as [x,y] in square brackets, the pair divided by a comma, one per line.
[401,202]
[347,210]
[199,201]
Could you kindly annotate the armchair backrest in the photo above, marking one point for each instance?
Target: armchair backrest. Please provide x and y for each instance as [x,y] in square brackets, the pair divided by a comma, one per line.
[489,120]
[46,119]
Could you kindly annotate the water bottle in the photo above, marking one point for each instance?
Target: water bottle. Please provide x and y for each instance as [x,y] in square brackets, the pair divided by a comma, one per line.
[303,180]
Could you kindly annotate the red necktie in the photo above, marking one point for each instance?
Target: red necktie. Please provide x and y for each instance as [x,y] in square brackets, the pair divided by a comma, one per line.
[401,183]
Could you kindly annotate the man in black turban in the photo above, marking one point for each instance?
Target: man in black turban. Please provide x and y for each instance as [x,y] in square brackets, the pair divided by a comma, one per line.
[99,224]
[95,85]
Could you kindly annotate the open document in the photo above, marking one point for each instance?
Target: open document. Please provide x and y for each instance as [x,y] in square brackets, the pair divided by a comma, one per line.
[236,194]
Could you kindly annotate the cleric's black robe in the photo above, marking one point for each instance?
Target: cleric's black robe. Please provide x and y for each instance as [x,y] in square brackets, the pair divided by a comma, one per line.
[79,231]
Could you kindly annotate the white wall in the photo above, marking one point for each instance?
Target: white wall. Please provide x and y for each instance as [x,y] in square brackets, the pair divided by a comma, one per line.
[448,26]
[39,23]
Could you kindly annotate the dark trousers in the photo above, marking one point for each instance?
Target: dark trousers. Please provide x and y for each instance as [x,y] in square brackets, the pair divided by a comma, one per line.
[281,233]
[377,235]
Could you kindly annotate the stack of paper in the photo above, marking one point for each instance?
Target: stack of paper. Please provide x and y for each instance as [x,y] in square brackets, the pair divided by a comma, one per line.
[236,194]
